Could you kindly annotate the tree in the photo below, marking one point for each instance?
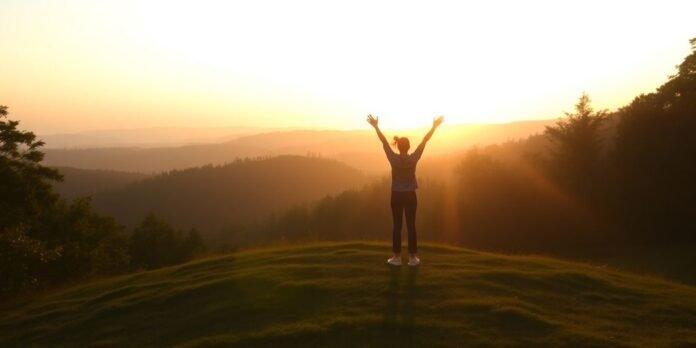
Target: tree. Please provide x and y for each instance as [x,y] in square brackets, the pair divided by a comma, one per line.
[22,260]
[658,128]
[654,157]
[25,188]
[155,243]
[45,240]
[25,196]
[576,154]
[90,244]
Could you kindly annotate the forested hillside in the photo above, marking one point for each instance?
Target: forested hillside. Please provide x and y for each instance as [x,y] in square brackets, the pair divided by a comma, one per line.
[88,182]
[216,200]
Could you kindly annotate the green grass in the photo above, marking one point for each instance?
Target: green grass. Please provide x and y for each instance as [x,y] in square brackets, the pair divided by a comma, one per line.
[344,295]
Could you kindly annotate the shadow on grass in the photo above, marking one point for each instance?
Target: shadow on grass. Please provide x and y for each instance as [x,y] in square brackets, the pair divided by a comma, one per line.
[392,298]
[400,309]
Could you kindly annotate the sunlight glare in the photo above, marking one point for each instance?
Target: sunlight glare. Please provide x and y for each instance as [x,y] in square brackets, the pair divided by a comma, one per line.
[328,64]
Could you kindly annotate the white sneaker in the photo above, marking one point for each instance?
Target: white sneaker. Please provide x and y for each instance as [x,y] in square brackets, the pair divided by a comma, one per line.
[394,261]
[413,261]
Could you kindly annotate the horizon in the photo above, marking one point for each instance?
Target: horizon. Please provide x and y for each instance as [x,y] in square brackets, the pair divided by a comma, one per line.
[80,66]
[296,128]
[163,137]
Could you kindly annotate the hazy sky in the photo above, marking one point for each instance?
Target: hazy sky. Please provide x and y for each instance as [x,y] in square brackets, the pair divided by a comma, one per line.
[81,65]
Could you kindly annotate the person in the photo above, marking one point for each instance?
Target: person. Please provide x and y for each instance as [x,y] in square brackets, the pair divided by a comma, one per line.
[403,187]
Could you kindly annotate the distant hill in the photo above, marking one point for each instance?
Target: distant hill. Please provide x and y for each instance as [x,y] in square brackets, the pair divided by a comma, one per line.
[86,182]
[145,137]
[216,199]
[359,148]
[344,295]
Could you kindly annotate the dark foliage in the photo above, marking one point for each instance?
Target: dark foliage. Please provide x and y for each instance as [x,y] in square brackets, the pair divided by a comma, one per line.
[25,185]
[655,159]
[155,243]
[576,151]
[25,197]
[45,241]
[90,244]
[23,260]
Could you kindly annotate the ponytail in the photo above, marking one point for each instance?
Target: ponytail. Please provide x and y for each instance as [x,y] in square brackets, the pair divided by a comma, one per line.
[401,143]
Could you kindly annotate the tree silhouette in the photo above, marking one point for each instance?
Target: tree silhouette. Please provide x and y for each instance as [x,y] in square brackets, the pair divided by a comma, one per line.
[655,151]
[576,152]
[25,195]
[46,241]
[155,243]
[24,183]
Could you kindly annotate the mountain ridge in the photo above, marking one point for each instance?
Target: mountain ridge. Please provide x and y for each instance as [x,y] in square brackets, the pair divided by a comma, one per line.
[361,145]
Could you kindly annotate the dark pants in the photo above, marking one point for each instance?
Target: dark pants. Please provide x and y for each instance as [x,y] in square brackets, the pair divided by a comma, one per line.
[404,202]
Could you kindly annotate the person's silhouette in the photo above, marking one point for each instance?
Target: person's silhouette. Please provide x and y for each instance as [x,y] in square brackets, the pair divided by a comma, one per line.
[404,185]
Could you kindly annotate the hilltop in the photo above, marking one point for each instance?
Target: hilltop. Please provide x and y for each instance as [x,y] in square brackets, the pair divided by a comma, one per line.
[342,294]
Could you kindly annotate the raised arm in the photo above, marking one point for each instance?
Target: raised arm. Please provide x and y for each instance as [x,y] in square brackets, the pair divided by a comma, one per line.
[374,122]
[436,123]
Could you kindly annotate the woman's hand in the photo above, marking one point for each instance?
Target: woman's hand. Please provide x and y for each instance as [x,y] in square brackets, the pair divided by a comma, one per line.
[437,121]
[373,121]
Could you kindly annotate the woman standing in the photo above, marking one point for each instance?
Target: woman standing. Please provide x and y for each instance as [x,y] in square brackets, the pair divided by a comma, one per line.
[404,185]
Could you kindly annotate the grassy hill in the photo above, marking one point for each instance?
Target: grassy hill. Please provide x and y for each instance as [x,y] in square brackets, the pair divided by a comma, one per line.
[343,295]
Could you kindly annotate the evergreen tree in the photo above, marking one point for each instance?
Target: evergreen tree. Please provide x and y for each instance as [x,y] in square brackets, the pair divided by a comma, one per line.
[25,187]
[654,158]
[576,152]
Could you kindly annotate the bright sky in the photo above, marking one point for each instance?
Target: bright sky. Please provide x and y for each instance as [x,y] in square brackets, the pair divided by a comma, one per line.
[80,65]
